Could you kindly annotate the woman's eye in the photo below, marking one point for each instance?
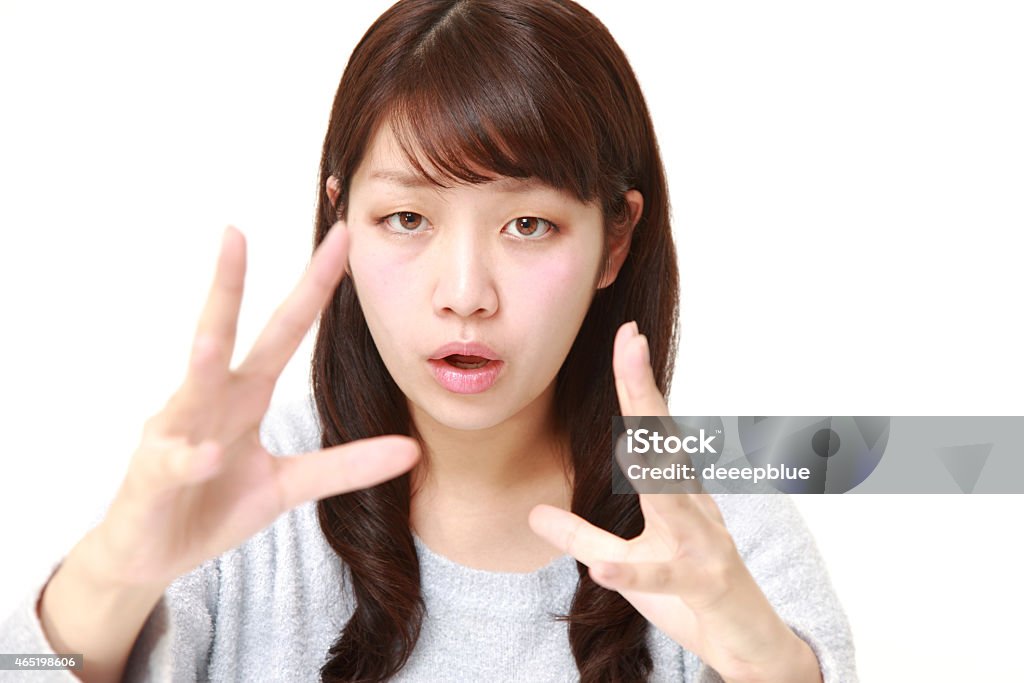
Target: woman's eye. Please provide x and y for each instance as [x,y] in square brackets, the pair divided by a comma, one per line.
[405,221]
[530,226]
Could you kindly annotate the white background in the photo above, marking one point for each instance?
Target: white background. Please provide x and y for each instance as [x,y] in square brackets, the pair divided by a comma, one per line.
[846,185]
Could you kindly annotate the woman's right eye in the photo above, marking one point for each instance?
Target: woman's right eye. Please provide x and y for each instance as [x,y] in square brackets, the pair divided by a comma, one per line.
[405,221]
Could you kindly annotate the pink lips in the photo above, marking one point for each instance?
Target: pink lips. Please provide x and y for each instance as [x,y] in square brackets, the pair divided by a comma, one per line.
[471,380]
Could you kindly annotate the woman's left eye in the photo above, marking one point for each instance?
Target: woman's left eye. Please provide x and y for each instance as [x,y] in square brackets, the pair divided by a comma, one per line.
[530,227]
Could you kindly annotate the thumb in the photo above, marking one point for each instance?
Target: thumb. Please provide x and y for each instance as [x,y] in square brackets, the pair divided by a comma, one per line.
[348,467]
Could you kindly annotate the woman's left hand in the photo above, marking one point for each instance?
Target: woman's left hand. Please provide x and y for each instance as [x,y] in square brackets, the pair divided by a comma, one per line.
[683,572]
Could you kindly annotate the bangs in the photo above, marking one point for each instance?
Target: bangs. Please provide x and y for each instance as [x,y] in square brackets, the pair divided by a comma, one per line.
[468,108]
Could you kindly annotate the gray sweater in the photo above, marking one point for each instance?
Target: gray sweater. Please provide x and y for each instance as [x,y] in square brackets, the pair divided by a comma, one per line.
[270,609]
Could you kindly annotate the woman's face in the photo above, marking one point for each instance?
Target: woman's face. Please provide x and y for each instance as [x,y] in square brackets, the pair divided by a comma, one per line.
[509,266]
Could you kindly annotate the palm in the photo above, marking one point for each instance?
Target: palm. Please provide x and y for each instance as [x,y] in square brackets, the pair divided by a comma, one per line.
[201,482]
[670,613]
[680,565]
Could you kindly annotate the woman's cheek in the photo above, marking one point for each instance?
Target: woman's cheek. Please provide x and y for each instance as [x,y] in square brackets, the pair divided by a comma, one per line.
[382,280]
[557,301]
[565,281]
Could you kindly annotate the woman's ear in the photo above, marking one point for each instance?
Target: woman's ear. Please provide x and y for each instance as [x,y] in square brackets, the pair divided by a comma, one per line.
[619,249]
[333,190]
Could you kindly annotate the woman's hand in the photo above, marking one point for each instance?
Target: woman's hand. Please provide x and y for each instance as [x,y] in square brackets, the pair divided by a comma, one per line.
[200,482]
[683,572]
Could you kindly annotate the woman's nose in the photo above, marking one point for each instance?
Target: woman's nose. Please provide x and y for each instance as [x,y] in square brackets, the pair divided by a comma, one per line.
[464,276]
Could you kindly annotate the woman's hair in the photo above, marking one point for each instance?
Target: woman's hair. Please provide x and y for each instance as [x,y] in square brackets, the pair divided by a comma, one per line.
[481,89]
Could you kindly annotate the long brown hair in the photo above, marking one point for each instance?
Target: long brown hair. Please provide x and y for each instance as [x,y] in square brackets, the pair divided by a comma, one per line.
[536,88]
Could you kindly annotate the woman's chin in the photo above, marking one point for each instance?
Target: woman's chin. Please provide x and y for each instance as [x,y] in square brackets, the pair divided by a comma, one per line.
[458,413]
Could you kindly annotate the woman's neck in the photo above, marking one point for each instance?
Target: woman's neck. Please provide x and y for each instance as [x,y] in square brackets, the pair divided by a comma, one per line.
[473,490]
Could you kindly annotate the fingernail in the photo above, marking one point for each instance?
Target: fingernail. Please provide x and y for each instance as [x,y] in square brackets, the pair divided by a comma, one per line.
[647,350]
[635,328]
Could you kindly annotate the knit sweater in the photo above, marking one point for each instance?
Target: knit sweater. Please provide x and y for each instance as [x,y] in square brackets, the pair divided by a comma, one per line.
[269,609]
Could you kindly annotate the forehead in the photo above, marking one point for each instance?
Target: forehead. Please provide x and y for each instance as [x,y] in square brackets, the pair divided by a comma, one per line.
[385,163]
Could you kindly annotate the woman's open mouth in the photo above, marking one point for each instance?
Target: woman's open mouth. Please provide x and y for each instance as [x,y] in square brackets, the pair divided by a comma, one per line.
[463,374]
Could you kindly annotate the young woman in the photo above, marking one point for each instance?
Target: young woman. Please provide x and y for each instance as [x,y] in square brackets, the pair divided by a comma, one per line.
[497,279]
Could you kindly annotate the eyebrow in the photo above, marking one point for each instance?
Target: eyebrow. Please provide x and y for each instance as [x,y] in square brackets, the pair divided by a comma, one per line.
[408,180]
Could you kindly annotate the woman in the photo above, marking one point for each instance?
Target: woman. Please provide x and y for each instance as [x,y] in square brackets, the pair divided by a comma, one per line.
[499,206]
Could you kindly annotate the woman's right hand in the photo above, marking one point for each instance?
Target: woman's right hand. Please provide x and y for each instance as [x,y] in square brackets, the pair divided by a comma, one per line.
[200,482]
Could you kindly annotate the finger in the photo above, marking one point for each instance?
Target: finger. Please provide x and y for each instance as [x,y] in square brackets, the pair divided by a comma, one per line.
[632,367]
[575,536]
[293,318]
[645,577]
[214,340]
[702,586]
[344,468]
[625,332]
[707,503]
[639,396]
[675,515]
[632,459]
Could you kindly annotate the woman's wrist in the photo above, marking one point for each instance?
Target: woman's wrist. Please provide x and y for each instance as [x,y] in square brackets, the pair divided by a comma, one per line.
[804,663]
[755,644]
[795,663]
[82,610]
